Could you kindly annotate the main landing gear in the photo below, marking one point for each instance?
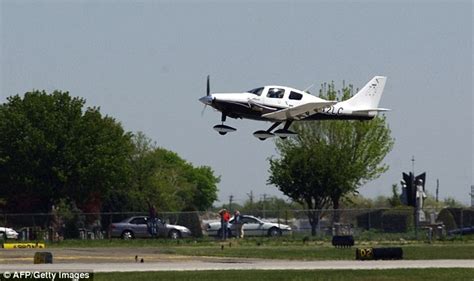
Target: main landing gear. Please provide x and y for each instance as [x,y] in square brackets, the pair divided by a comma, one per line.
[282,133]
[224,129]
[261,134]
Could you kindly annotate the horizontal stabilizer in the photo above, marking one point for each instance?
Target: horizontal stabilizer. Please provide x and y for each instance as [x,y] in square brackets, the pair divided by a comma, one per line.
[371,110]
[298,112]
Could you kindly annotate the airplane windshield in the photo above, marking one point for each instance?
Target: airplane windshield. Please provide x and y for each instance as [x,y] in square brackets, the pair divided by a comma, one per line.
[256,91]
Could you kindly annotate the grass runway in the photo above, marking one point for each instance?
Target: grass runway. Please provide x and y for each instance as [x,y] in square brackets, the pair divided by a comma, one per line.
[298,275]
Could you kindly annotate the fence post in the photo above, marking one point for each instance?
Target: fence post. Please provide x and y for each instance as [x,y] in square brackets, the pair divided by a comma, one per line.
[319,223]
[462,221]
[108,228]
[369,223]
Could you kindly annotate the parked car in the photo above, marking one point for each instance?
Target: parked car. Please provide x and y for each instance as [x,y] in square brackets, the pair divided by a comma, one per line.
[465,230]
[8,233]
[252,227]
[137,227]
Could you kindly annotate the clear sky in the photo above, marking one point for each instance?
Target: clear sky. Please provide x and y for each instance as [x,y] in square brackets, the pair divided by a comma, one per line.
[145,63]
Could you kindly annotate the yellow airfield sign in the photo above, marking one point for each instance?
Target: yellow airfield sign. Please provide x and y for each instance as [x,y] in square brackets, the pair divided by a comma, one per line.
[24,246]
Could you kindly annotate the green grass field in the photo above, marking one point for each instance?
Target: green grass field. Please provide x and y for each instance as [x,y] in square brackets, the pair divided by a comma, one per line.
[311,252]
[282,248]
[298,275]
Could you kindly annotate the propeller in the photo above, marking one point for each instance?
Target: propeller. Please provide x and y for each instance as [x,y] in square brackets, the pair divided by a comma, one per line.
[203,109]
[208,92]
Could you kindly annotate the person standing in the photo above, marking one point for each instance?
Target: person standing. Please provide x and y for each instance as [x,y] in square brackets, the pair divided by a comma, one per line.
[239,224]
[225,217]
[152,221]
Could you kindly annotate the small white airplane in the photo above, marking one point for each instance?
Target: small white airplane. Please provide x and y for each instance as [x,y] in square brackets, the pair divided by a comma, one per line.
[280,104]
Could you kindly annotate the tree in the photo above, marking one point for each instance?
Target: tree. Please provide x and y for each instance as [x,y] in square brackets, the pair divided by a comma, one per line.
[300,176]
[51,147]
[330,159]
[450,202]
[269,206]
[394,201]
[160,177]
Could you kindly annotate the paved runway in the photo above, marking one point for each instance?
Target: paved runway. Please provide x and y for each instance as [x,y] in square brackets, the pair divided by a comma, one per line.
[234,264]
[155,259]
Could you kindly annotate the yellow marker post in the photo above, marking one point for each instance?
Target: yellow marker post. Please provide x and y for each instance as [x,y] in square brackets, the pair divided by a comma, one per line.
[24,246]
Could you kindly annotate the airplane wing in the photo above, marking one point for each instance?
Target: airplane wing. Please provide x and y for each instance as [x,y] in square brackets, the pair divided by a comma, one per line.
[371,110]
[298,112]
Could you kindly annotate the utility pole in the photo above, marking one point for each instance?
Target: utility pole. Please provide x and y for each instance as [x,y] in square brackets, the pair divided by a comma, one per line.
[231,199]
[414,185]
[472,196]
[264,203]
[250,195]
[437,189]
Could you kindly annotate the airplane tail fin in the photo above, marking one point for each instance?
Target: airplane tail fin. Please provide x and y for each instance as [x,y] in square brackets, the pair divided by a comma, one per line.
[367,99]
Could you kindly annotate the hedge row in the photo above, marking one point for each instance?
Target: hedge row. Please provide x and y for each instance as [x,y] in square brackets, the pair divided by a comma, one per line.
[454,218]
[402,219]
[393,220]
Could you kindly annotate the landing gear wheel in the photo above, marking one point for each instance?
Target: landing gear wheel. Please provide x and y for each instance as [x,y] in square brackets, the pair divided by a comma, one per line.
[262,139]
[283,138]
[222,133]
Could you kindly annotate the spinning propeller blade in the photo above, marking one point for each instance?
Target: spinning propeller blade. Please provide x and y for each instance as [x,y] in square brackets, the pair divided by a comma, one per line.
[208,92]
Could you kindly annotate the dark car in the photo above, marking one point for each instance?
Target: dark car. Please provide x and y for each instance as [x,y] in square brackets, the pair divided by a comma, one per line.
[139,227]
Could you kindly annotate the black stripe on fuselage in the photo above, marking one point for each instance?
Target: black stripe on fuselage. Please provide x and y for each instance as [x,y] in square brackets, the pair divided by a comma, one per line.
[242,110]
[322,116]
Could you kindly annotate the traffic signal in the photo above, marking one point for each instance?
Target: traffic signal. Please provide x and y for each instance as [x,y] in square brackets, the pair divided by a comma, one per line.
[409,184]
[410,190]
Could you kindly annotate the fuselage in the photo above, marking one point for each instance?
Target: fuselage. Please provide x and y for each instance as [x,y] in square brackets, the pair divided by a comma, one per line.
[255,103]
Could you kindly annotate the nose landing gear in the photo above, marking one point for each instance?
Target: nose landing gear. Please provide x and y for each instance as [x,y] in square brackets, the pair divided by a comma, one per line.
[224,129]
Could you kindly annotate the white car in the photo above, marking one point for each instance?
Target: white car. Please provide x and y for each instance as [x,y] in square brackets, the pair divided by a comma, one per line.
[252,227]
[8,233]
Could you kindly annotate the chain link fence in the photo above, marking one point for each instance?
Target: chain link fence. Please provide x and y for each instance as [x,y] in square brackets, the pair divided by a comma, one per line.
[363,224]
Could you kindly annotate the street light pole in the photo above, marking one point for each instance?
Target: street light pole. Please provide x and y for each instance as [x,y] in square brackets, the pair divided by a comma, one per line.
[415,186]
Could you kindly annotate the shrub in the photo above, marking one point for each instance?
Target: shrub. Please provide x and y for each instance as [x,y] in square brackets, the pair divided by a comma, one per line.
[397,220]
[447,218]
[371,219]
[462,216]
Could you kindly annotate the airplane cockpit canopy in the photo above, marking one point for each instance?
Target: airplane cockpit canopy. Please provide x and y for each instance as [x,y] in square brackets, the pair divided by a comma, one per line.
[256,91]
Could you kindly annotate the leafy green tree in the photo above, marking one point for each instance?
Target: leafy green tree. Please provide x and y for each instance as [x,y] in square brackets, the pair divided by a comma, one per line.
[450,202]
[161,178]
[51,147]
[357,201]
[300,176]
[205,187]
[330,159]
[430,202]
[271,206]
[395,201]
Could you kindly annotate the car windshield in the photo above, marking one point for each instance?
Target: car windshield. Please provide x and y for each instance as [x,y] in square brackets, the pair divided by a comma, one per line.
[249,220]
[245,219]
